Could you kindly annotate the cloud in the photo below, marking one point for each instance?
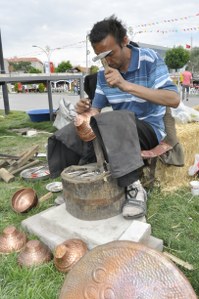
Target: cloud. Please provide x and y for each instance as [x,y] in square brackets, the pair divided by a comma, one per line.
[60,23]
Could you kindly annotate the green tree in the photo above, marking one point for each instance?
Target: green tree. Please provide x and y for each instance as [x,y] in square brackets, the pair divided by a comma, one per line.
[93,69]
[41,87]
[23,66]
[177,57]
[33,70]
[63,67]
[193,63]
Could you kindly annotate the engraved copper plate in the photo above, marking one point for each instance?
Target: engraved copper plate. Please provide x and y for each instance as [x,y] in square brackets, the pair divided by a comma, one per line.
[124,269]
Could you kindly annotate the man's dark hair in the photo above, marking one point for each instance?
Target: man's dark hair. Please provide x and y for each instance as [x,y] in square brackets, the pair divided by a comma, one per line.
[109,26]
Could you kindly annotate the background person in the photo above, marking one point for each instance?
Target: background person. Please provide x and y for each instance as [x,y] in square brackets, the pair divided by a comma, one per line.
[186,82]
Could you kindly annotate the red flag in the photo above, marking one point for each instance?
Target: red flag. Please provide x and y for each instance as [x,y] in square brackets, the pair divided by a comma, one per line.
[188,46]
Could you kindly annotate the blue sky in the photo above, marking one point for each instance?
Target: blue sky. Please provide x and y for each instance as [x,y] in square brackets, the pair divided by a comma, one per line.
[65,23]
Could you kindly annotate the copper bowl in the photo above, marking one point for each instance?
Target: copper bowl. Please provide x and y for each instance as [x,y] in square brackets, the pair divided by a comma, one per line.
[12,240]
[68,253]
[23,200]
[34,253]
[82,123]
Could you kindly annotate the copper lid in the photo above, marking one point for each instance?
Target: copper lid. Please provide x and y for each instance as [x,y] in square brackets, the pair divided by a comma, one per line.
[68,253]
[34,253]
[23,200]
[12,240]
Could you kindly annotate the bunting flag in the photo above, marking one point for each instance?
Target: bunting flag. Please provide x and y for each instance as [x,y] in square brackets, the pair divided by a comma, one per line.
[168,31]
[167,21]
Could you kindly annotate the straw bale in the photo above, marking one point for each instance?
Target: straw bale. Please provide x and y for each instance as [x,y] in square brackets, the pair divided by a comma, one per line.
[172,177]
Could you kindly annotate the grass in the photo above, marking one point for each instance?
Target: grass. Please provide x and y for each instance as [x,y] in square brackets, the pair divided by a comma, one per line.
[174,217]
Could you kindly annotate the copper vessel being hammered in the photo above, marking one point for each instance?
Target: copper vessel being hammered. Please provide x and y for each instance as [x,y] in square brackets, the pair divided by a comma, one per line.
[34,253]
[23,200]
[82,123]
[68,253]
[125,269]
[12,240]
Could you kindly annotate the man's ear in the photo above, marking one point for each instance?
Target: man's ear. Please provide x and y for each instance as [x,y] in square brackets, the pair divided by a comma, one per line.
[125,41]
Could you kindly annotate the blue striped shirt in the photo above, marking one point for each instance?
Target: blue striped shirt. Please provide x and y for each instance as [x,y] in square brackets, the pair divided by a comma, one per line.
[147,69]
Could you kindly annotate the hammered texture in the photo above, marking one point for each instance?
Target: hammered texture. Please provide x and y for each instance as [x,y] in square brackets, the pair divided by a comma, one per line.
[68,254]
[124,269]
[34,253]
[82,124]
[12,240]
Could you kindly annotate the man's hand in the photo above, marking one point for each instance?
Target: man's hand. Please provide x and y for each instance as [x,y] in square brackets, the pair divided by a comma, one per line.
[114,78]
[83,106]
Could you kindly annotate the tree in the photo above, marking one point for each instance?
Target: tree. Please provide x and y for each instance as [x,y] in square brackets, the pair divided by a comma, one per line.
[33,70]
[93,69]
[177,57]
[23,66]
[193,63]
[63,67]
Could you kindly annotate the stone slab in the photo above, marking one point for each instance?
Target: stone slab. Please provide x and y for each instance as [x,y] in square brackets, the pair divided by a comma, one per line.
[55,225]
[137,232]
[154,243]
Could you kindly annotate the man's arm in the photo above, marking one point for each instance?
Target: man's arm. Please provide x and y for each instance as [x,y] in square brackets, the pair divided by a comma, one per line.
[157,96]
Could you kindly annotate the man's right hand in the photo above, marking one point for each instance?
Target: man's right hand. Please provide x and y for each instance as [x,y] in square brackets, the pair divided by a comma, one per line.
[83,105]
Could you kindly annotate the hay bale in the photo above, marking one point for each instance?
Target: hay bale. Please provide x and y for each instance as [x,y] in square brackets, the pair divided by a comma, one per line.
[172,177]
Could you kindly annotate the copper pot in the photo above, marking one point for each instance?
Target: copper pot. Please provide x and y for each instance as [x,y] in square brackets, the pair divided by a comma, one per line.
[34,253]
[12,240]
[68,253]
[23,200]
[82,123]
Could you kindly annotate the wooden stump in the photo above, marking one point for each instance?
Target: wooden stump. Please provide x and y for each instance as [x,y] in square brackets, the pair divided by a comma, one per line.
[90,194]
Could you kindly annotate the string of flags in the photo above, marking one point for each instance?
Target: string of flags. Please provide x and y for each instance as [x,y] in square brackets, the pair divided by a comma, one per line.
[168,31]
[167,21]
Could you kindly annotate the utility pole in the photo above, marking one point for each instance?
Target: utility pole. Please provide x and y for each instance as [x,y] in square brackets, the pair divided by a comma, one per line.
[4,85]
[87,53]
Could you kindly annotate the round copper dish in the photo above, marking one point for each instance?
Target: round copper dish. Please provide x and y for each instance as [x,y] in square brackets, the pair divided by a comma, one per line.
[12,240]
[68,253]
[82,123]
[23,200]
[34,253]
[124,269]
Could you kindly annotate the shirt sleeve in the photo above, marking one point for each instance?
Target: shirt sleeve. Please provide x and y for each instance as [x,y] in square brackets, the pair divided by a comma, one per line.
[100,100]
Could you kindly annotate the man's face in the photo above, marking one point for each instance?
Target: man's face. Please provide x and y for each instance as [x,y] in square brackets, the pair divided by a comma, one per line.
[116,58]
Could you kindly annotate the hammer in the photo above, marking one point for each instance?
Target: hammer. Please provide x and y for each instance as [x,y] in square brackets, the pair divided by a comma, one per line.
[102,57]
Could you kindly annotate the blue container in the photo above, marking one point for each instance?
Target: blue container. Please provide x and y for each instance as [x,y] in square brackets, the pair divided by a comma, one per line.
[39,115]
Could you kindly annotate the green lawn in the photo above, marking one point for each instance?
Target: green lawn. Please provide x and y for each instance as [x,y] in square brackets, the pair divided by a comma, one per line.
[174,217]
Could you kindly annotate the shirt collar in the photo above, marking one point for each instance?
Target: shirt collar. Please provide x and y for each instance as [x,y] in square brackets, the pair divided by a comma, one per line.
[135,58]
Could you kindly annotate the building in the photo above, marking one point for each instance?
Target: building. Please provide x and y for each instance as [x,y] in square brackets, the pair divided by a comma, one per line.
[35,62]
[159,49]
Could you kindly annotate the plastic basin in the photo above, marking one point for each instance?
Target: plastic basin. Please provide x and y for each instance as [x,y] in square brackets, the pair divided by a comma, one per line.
[39,115]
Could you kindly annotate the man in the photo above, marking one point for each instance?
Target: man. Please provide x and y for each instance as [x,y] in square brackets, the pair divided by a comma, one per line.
[137,83]
[186,82]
